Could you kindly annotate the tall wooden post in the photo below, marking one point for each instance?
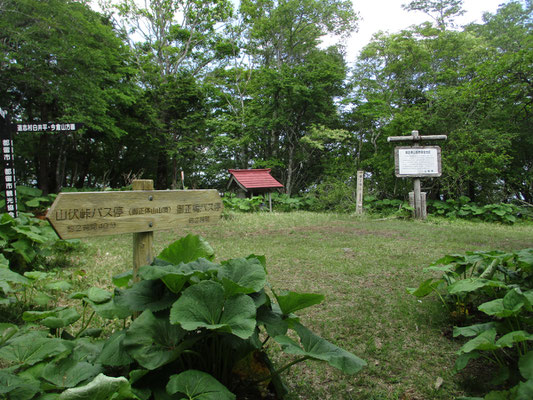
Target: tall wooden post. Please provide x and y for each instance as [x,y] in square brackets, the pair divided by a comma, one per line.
[416,182]
[142,241]
[359,193]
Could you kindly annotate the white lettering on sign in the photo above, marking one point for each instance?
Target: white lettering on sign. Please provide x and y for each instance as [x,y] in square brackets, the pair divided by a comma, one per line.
[52,127]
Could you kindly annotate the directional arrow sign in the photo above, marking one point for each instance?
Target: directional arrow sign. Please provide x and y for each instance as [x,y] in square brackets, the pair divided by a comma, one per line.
[76,215]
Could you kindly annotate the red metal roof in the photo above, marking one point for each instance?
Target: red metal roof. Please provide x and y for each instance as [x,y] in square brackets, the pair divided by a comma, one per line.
[255,178]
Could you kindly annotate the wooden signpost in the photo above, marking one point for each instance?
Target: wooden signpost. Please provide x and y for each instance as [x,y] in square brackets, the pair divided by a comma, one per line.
[417,162]
[359,192]
[141,212]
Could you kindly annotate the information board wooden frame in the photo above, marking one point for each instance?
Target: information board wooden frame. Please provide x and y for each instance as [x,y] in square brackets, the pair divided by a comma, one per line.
[422,174]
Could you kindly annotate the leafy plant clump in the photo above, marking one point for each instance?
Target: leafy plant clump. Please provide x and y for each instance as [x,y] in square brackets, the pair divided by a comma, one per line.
[465,209]
[490,296]
[198,330]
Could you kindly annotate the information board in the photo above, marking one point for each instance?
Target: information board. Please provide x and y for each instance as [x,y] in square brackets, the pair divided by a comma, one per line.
[422,161]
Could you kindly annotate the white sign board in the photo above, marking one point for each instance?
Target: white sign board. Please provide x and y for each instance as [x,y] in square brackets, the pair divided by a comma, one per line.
[418,161]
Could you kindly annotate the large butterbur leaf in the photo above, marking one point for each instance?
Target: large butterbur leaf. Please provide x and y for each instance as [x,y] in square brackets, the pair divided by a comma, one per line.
[113,353]
[198,385]
[484,341]
[473,284]
[525,364]
[154,342]
[204,306]
[57,318]
[101,388]
[317,348]
[242,275]
[17,387]
[290,302]
[146,295]
[31,348]
[187,249]
[68,372]
[510,305]
[509,339]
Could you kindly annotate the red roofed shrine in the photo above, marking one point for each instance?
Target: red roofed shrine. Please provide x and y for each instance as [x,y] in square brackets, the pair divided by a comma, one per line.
[254,181]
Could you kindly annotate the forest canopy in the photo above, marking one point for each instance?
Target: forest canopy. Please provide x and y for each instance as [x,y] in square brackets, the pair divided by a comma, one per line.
[201,87]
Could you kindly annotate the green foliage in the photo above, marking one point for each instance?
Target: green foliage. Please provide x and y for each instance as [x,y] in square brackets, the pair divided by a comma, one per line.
[202,331]
[493,291]
[465,209]
[280,202]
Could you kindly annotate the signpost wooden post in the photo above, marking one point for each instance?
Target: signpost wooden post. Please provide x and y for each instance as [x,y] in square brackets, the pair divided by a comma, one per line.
[141,212]
[359,193]
[417,162]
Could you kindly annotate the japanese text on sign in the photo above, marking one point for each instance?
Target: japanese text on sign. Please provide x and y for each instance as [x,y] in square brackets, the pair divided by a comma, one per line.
[412,161]
[45,127]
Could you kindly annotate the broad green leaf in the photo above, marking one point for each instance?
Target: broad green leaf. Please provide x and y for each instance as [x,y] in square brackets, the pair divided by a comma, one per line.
[59,285]
[463,360]
[37,275]
[205,306]
[171,275]
[122,279]
[7,331]
[317,348]
[87,349]
[525,259]
[101,388]
[30,234]
[472,284]
[98,295]
[31,348]
[11,276]
[57,318]
[145,295]
[484,341]
[153,341]
[514,300]
[290,302]
[42,299]
[17,387]
[509,339]
[496,308]
[68,372]
[187,249]
[274,323]
[425,288]
[113,353]
[242,275]
[198,385]
[473,330]
[525,390]
[526,365]
[110,309]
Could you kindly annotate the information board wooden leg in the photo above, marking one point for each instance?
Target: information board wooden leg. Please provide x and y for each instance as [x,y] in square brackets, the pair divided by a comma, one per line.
[418,199]
[142,241]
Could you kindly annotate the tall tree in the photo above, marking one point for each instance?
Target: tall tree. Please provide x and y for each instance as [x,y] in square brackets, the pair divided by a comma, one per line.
[174,39]
[61,61]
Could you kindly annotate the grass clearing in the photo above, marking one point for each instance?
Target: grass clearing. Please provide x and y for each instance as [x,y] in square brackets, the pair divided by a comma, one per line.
[363,267]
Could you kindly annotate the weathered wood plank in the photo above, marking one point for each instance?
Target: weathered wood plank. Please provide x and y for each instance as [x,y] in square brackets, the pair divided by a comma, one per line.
[77,215]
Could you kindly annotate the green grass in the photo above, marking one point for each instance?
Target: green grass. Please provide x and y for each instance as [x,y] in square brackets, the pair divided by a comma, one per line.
[363,267]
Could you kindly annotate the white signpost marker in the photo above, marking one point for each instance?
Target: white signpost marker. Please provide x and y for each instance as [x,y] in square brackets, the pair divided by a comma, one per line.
[359,193]
[417,162]
[8,154]
[10,189]
[141,212]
